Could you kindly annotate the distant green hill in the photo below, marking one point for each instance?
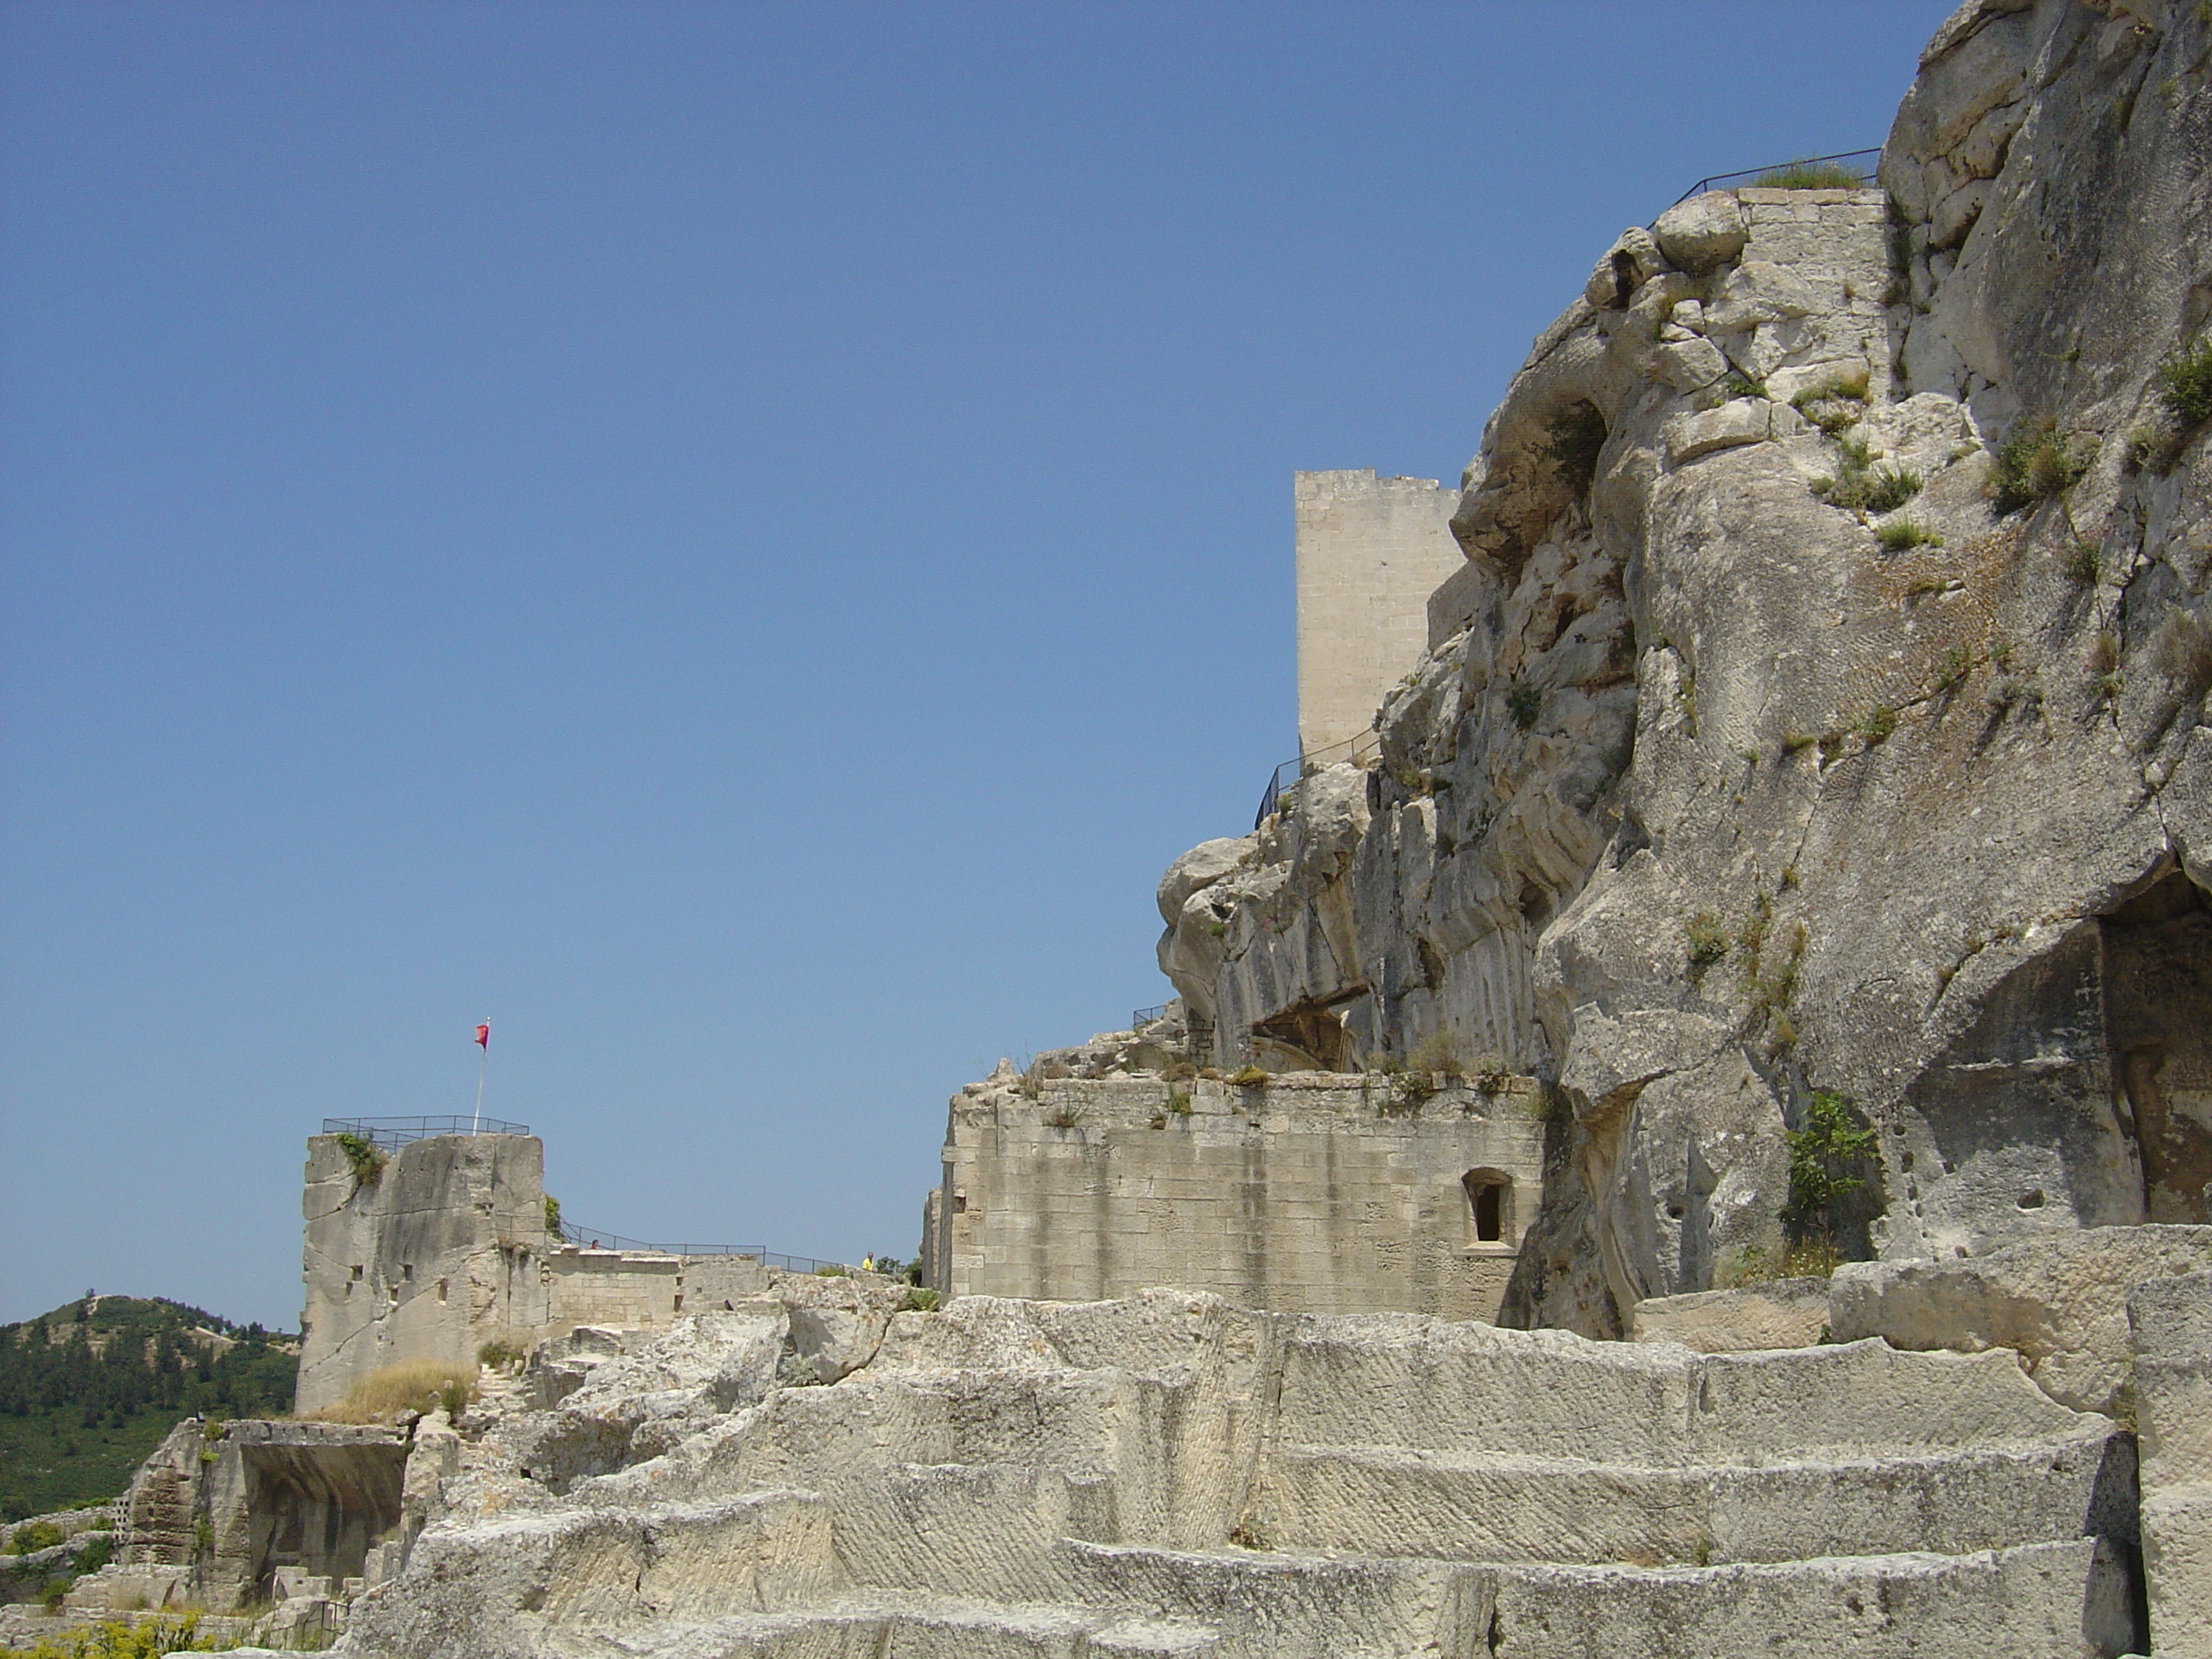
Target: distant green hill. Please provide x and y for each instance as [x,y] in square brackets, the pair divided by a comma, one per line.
[88,1390]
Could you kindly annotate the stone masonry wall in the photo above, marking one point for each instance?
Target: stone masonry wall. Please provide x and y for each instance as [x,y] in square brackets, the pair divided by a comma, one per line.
[1316,1192]
[1369,551]
[447,1250]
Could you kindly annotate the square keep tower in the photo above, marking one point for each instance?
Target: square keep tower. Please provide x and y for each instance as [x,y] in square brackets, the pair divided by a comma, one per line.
[1370,552]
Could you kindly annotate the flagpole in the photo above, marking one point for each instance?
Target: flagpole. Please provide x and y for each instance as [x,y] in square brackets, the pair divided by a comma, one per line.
[483,1058]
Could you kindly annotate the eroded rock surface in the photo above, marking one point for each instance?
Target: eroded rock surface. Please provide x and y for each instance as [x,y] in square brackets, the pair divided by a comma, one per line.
[1822,707]
[1170,1474]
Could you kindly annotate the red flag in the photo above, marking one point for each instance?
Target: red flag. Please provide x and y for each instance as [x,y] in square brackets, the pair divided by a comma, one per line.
[483,1037]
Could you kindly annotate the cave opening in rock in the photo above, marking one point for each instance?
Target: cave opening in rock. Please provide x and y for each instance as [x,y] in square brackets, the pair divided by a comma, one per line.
[1305,1036]
[2157,972]
[1624,279]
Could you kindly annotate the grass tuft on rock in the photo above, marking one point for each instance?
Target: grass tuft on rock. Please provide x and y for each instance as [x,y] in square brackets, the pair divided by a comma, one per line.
[1807,173]
[1902,535]
[2185,384]
[2036,463]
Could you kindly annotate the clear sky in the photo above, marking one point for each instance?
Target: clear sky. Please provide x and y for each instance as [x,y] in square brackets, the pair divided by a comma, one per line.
[735,542]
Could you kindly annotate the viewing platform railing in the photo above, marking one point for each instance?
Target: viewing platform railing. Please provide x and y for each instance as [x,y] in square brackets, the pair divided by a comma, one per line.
[1361,749]
[393,1133]
[591,1238]
[1861,161]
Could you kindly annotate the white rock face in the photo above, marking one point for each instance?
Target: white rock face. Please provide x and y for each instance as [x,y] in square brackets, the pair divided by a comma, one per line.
[2172,1323]
[2060,1303]
[1757,753]
[1169,1475]
[1704,232]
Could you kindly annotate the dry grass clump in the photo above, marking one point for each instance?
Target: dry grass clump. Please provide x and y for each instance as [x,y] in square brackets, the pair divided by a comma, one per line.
[2182,647]
[1808,172]
[1440,1050]
[414,1385]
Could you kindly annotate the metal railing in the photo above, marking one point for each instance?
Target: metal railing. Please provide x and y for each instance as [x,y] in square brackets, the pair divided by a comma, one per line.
[1865,171]
[1361,749]
[393,1133]
[1144,1017]
[592,1238]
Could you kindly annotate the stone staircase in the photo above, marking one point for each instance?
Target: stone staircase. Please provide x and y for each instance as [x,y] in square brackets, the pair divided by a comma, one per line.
[1171,1475]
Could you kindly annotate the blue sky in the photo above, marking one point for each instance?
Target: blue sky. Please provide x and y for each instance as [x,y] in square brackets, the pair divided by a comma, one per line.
[734,540]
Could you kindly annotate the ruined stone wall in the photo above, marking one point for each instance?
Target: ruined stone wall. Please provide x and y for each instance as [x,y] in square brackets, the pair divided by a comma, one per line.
[442,1252]
[220,1510]
[446,1250]
[1317,1193]
[631,1290]
[1369,551]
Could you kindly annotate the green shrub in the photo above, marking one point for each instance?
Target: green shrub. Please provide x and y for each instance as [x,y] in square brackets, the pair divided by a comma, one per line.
[364,1156]
[114,1640]
[1806,173]
[34,1535]
[1859,485]
[498,1356]
[2185,384]
[921,1299]
[1250,1076]
[2036,463]
[1524,703]
[1179,1102]
[1876,723]
[552,1216]
[832,1270]
[1707,939]
[1828,1160]
[2085,562]
[1741,385]
[1888,488]
[1902,535]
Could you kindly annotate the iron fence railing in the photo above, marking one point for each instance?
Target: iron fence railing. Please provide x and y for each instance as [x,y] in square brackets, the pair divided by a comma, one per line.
[1865,170]
[1144,1017]
[593,1238]
[393,1133]
[1361,749]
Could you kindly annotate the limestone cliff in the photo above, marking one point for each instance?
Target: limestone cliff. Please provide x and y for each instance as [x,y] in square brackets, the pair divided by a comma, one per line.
[1821,706]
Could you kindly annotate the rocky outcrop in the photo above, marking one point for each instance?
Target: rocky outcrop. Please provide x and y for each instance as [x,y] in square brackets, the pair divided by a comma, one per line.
[1821,711]
[1169,1475]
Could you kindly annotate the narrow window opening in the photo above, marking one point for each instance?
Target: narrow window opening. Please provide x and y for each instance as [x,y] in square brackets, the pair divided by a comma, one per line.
[1489,1194]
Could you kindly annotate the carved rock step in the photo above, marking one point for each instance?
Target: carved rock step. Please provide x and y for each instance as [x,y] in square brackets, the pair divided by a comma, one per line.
[2054,1600]
[2042,1601]
[1486,1508]
[2062,1600]
[1392,1380]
